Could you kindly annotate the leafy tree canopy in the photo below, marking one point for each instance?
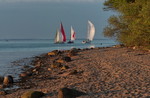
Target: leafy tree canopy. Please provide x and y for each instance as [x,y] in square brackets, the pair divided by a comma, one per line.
[132,26]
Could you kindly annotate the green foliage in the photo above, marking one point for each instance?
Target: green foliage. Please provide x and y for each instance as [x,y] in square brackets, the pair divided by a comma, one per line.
[132,26]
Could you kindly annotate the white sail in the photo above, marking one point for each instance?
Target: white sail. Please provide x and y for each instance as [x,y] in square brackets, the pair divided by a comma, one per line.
[60,35]
[57,37]
[91,31]
[72,37]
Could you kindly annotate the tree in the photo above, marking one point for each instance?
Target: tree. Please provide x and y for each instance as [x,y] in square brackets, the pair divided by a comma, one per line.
[132,26]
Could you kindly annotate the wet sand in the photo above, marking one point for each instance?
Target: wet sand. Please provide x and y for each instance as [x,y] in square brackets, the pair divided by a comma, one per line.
[113,72]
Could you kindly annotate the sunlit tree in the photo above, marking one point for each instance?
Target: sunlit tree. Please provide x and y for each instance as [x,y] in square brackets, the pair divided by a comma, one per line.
[132,26]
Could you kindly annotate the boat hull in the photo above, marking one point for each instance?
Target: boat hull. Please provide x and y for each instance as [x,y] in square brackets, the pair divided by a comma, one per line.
[70,42]
[59,42]
[86,41]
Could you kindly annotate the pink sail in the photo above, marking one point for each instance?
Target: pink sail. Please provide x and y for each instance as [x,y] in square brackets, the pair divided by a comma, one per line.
[63,33]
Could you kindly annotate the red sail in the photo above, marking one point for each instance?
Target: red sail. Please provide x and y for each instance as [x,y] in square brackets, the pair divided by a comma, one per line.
[74,36]
[63,33]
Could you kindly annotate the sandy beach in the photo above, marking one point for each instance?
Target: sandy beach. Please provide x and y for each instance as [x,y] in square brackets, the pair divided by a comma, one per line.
[110,72]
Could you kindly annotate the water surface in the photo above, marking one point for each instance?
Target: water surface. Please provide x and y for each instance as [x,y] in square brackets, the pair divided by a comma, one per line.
[27,27]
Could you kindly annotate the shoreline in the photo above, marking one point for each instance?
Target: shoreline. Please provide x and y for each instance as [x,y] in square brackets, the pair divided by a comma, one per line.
[97,72]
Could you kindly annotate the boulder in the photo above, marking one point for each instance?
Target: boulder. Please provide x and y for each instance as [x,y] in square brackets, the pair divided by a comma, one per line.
[1,79]
[8,80]
[65,93]
[51,53]
[2,92]
[1,86]
[66,58]
[75,49]
[69,93]
[73,52]
[54,52]
[32,94]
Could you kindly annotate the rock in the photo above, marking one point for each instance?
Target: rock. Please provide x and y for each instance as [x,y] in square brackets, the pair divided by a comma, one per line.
[34,70]
[2,92]
[73,52]
[69,93]
[135,47]
[26,87]
[51,53]
[8,80]
[64,67]
[73,72]
[66,58]
[38,64]
[54,52]
[25,74]
[56,64]
[1,86]
[1,79]
[65,93]
[26,66]
[49,69]
[60,61]
[32,94]
[119,46]
[75,49]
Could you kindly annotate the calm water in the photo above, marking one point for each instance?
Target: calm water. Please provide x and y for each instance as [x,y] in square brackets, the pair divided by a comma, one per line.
[12,50]
[20,21]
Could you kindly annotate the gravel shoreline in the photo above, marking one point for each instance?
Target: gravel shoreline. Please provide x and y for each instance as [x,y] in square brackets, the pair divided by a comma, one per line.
[98,73]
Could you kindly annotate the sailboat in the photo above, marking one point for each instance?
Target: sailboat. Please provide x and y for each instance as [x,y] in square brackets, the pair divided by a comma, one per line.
[60,35]
[72,35]
[90,33]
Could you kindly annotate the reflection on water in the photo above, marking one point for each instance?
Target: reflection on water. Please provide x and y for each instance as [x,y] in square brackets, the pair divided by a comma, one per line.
[92,46]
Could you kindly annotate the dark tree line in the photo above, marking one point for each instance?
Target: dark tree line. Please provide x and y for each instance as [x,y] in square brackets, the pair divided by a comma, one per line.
[132,26]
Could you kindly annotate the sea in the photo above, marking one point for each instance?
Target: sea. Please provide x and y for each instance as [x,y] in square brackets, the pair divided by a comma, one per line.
[19,51]
[28,27]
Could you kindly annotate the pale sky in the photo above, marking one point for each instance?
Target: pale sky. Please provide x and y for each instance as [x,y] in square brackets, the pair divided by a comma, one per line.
[28,19]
